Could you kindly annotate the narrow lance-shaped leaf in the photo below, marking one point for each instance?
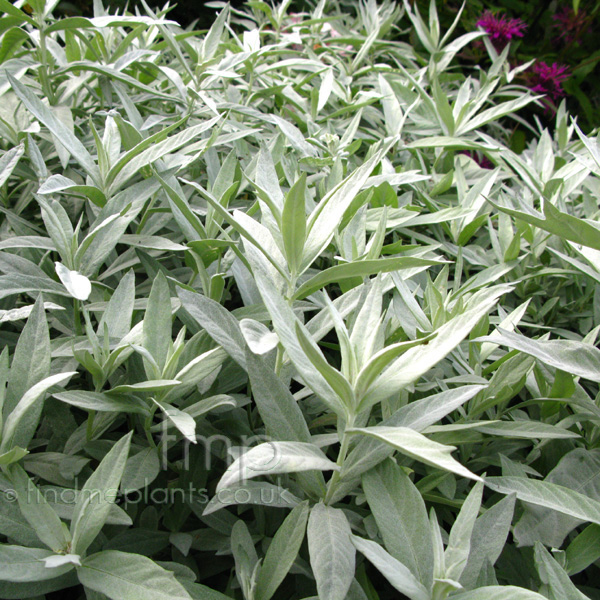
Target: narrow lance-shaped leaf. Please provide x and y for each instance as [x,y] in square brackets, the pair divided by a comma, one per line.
[282,552]
[418,415]
[20,564]
[360,268]
[45,116]
[568,355]
[488,539]
[273,458]
[549,495]
[31,358]
[418,447]
[401,518]
[181,420]
[459,542]
[334,378]
[150,150]
[244,555]
[101,402]
[568,227]
[499,592]
[276,405]
[22,422]
[98,495]
[293,224]
[332,556]
[157,321]
[417,361]
[39,514]
[552,574]
[392,569]
[125,576]
[219,323]
[329,212]
[211,42]
[119,309]
[284,322]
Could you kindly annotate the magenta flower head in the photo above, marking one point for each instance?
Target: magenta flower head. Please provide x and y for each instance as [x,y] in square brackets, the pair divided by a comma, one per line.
[571,25]
[547,79]
[500,29]
[483,161]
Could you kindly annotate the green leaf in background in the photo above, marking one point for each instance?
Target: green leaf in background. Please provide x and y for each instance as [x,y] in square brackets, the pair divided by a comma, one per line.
[578,470]
[282,552]
[555,576]
[140,470]
[487,540]
[583,550]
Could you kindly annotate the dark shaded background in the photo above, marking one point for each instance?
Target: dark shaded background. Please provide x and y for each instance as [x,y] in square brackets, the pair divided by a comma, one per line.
[185,11]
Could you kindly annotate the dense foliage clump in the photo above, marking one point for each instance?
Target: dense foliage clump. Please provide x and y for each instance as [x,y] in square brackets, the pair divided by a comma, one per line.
[284,314]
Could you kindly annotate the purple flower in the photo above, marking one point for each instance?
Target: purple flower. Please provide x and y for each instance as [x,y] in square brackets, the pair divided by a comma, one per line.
[547,79]
[500,29]
[571,25]
[484,162]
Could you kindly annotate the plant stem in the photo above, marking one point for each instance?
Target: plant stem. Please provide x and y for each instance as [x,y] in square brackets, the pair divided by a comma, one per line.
[44,70]
[89,431]
[77,317]
[345,443]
